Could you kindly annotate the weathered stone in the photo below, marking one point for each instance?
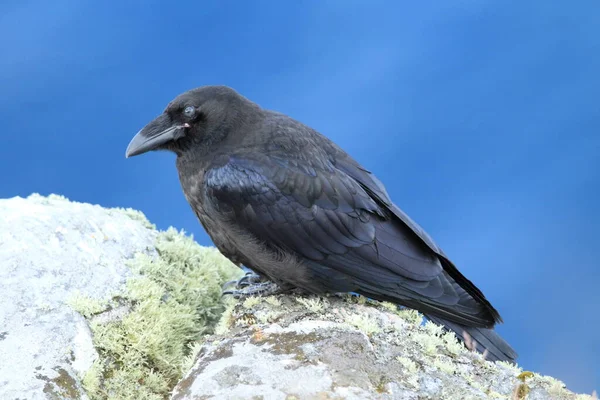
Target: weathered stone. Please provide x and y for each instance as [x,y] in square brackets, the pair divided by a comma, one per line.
[284,347]
[50,248]
[289,347]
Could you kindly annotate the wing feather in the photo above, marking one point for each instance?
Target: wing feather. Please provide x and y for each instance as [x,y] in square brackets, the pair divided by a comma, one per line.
[340,220]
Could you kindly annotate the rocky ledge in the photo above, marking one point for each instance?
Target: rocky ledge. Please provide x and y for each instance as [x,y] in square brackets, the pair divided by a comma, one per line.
[96,303]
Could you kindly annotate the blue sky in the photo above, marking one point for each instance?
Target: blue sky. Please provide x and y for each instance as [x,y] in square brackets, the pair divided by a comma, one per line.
[482,119]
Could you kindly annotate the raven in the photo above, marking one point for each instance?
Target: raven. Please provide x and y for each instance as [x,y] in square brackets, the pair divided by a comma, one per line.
[281,199]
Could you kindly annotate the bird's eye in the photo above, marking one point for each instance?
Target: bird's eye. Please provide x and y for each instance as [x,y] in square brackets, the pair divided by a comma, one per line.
[189,111]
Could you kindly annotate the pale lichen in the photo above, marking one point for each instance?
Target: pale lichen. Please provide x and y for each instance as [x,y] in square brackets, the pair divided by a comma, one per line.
[429,343]
[397,355]
[274,301]
[175,299]
[364,322]
[188,361]
[86,306]
[251,301]
[314,304]
[92,380]
[444,365]
[226,319]
[412,316]
[410,366]
[136,216]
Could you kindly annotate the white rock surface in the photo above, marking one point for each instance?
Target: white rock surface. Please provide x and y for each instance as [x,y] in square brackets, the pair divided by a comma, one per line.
[291,348]
[49,249]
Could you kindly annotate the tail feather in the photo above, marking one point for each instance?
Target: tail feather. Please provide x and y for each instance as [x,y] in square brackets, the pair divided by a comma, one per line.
[484,340]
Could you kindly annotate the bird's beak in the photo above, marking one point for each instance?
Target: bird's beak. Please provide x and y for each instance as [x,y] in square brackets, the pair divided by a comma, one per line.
[158,132]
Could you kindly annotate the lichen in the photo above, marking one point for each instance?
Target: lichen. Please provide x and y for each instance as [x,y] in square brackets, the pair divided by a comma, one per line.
[412,316]
[251,301]
[274,301]
[410,366]
[86,306]
[92,379]
[314,304]
[444,365]
[429,343]
[188,361]
[397,354]
[136,216]
[267,316]
[364,323]
[226,320]
[175,300]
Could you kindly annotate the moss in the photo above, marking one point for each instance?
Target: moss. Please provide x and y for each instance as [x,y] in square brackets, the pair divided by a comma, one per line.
[175,299]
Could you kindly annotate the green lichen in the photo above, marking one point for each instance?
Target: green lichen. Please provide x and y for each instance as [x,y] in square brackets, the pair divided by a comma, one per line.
[410,366]
[410,315]
[444,365]
[453,345]
[92,380]
[268,316]
[364,323]
[175,300]
[226,321]
[251,302]
[274,301]
[85,305]
[188,362]
[314,304]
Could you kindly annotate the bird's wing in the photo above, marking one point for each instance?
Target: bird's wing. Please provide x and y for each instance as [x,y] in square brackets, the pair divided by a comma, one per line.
[344,228]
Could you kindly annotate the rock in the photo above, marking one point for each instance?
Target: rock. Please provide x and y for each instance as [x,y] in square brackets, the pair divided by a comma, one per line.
[50,248]
[288,347]
[150,324]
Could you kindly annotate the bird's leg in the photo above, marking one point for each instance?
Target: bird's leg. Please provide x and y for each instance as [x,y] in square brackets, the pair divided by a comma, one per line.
[248,279]
[253,284]
[266,288]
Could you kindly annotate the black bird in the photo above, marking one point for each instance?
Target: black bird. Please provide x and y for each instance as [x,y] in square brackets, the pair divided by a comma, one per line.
[278,197]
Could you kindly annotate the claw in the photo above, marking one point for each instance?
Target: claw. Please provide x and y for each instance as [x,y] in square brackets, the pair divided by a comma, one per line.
[246,280]
[255,289]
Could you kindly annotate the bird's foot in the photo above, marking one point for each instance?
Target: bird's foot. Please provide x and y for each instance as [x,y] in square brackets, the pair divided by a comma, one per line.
[266,288]
[249,279]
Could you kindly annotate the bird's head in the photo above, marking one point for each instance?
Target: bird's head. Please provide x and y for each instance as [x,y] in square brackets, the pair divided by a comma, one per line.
[196,116]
